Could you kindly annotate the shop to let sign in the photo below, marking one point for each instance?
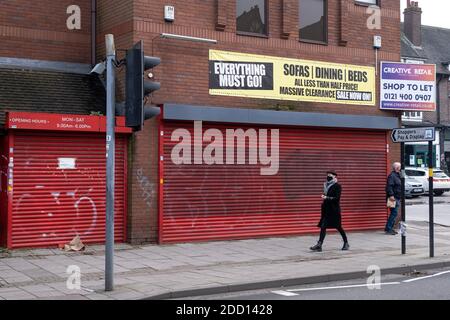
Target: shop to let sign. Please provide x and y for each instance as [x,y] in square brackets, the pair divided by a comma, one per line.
[265,77]
[408,87]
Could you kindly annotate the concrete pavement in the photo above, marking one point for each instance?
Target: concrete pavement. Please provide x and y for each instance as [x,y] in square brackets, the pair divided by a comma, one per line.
[183,270]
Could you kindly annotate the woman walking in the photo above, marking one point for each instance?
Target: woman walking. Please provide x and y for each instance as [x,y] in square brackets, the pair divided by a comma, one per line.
[331,211]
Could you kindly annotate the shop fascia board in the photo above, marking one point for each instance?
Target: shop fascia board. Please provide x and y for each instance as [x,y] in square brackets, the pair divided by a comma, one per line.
[181,112]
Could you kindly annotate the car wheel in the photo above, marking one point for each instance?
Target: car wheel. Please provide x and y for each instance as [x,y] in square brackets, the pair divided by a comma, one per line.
[438,193]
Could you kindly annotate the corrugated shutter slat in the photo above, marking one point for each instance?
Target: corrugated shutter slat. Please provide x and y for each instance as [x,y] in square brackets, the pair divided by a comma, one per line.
[212,202]
[51,205]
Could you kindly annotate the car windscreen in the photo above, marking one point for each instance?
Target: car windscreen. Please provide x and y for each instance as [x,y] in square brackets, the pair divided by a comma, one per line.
[439,174]
[415,173]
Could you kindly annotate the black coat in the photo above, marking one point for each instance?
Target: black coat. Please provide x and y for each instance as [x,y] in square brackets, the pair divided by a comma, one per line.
[331,208]
[394,185]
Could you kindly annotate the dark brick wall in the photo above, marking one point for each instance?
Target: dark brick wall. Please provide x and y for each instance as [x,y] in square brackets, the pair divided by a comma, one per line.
[53,92]
[38,30]
[115,17]
[184,70]
[446,105]
[443,101]
[143,184]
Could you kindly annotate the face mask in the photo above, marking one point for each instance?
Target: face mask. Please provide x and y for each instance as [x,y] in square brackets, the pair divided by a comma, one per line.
[329,178]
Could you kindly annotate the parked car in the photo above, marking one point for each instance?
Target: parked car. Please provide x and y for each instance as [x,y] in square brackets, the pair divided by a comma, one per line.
[441,182]
[413,188]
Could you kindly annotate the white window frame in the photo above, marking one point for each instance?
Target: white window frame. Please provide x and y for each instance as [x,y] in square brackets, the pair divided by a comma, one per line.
[368,2]
[412,116]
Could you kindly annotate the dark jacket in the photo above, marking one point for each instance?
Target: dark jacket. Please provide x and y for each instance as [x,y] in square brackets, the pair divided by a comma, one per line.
[394,185]
[331,208]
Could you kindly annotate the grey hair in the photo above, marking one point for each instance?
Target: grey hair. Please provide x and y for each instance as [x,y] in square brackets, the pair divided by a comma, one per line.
[395,164]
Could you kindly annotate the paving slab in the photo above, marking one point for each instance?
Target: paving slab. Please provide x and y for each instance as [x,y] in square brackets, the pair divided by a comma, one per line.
[180,270]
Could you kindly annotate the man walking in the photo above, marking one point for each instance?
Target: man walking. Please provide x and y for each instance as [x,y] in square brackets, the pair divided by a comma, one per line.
[394,193]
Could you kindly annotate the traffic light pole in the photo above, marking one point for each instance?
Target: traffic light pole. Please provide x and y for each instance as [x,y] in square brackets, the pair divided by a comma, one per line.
[403,204]
[138,86]
[110,155]
[430,194]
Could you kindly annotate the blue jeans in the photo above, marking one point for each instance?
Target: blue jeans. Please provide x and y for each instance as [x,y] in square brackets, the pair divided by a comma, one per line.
[391,220]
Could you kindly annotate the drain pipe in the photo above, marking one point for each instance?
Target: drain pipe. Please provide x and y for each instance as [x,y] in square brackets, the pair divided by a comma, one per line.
[93,31]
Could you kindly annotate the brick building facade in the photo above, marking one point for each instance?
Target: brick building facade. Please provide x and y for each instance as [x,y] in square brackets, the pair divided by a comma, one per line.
[184,71]
[38,30]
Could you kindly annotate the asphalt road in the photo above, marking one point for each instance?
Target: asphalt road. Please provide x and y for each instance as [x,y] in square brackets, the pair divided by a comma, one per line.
[432,284]
[445,198]
[420,212]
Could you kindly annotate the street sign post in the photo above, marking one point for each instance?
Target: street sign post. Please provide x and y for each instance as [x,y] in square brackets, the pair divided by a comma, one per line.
[430,194]
[403,204]
[413,134]
[403,135]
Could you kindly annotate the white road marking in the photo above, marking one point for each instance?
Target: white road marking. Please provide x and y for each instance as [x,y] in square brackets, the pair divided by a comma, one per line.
[285,293]
[290,292]
[343,287]
[426,277]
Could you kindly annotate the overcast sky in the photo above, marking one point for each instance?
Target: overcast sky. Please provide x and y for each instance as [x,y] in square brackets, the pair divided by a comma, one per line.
[434,12]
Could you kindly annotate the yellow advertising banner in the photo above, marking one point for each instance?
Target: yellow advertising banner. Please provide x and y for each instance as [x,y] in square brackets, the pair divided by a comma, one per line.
[256,76]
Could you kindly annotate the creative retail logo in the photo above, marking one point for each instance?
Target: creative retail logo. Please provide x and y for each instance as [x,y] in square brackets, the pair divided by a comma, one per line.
[229,146]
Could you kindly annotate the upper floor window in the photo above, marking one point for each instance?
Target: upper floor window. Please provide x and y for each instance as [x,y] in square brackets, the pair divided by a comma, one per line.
[413,61]
[415,116]
[251,16]
[313,20]
[368,2]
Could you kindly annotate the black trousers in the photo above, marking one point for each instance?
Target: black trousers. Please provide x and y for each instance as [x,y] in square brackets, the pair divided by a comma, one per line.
[323,233]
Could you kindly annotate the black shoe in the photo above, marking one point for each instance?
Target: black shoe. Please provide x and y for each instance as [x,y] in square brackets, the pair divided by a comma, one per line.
[392,232]
[317,247]
[346,246]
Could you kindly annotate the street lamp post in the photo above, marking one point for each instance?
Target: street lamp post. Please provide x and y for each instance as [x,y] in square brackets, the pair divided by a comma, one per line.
[110,155]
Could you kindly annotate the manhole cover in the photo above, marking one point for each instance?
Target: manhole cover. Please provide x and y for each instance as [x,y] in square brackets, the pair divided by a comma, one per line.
[415,273]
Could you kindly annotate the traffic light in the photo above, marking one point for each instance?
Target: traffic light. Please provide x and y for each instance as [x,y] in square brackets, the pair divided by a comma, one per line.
[138,86]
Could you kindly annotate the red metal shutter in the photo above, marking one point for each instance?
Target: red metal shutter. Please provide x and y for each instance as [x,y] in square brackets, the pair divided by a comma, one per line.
[52,203]
[211,202]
